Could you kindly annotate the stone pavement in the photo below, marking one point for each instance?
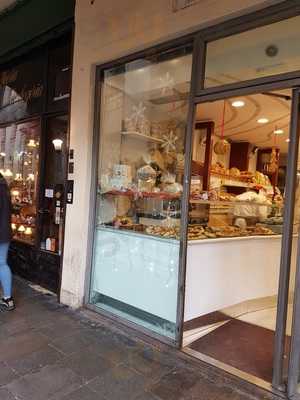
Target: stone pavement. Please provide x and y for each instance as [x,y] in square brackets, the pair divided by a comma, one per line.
[49,352]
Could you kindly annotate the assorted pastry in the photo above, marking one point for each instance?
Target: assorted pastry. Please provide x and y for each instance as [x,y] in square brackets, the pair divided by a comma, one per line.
[167,232]
[198,232]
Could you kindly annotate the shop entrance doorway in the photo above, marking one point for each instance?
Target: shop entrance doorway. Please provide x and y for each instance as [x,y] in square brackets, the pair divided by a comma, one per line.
[242,234]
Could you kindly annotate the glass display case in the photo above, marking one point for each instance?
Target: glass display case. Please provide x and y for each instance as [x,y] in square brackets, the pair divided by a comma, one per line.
[140,182]
[19,162]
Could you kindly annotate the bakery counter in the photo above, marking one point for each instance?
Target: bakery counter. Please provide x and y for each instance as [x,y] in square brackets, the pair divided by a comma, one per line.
[225,272]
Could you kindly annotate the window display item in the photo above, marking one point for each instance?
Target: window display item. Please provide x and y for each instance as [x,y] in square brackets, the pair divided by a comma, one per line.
[121,178]
[222,147]
[173,188]
[168,178]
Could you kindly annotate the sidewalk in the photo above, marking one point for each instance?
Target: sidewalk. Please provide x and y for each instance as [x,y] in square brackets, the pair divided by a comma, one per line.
[48,352]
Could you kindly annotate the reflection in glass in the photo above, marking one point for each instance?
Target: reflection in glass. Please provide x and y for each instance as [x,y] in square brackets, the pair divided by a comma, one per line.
[140,182]
[264,51]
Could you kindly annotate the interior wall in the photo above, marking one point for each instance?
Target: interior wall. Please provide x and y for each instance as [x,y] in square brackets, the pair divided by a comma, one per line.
[105,31]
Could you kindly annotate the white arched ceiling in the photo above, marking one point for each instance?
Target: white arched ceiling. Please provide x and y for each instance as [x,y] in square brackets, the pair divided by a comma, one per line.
[240,124]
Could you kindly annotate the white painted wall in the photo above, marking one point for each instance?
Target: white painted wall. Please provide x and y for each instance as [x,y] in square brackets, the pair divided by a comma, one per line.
[106,31]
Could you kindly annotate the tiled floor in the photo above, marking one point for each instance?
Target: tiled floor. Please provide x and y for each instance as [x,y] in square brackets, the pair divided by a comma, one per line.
[48,352]
[245,343]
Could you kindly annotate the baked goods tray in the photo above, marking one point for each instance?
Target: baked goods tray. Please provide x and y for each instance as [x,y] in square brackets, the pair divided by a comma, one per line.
[136,234]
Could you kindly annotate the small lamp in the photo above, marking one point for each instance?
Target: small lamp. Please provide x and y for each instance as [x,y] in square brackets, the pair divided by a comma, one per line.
[57,143]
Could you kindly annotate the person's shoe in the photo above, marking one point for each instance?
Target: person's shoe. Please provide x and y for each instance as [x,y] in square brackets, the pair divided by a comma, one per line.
[7,304]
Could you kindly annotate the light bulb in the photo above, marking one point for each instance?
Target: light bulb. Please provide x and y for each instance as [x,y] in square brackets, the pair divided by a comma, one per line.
[28,231]
[263,120]
[31,143]
[278,131]
[238,103]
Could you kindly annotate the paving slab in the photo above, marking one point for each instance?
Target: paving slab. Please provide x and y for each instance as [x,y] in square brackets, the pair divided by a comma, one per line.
[49,352]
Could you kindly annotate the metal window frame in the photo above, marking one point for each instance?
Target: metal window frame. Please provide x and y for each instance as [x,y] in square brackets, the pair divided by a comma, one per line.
[294,359]
[198,94]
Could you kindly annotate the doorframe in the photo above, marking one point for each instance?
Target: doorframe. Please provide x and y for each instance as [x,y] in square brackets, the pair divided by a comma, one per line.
[277,385]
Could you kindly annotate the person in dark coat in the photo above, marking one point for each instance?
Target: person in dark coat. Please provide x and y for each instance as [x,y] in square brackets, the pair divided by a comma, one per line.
[7,302]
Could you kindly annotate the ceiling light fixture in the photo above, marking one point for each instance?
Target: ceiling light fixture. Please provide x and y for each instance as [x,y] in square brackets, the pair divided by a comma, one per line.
[263,120]
[238,103]
[278,131]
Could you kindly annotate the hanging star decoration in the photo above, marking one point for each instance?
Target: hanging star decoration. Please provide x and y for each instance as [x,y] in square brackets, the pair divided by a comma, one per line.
[167,83]
[138,113]
[169,143]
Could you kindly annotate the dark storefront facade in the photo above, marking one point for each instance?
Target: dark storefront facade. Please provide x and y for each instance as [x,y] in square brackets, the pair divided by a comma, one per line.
[35,91]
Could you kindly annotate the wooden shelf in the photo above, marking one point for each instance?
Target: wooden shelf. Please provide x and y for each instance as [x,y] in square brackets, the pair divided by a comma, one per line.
[228,203]
[143,195]
[142,136]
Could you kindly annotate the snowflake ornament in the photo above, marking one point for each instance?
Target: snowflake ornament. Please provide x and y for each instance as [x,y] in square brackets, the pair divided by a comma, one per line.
[167,83]
[138,113]
[169,143]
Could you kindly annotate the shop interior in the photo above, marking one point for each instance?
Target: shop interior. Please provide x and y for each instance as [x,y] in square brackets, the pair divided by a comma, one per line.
[240,148]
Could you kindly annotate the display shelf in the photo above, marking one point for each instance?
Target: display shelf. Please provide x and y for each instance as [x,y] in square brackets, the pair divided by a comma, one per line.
[136,234]
[235,181]
[232,179]
[142,136]
[29,242]
[228,203]
[143,195]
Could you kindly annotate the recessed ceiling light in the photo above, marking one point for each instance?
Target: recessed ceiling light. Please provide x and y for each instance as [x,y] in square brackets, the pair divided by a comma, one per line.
[238,103]
[287,140]
[263,120]
[278,131]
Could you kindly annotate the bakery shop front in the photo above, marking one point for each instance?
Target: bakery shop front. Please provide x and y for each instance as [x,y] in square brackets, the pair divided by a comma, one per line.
[197,191]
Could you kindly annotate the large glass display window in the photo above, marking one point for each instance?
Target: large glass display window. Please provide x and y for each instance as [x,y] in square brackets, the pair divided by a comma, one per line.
[19,163]
[144,107]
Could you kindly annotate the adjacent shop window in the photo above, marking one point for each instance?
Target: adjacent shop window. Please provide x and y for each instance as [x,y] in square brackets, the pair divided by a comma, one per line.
[22,90]
[140,177]
[52,190]
[261,52]
[19,159]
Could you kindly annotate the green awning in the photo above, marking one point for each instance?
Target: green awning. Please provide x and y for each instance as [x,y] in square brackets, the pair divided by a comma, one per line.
[31,23]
